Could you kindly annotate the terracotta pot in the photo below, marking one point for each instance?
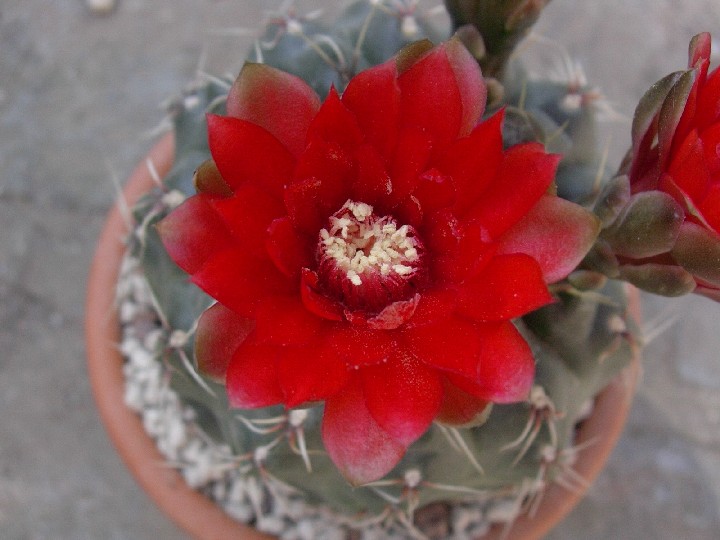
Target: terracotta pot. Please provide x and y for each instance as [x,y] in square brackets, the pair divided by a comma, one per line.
[198,515]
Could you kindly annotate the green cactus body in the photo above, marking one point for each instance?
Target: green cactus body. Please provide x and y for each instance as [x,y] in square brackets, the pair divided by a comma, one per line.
[580,343]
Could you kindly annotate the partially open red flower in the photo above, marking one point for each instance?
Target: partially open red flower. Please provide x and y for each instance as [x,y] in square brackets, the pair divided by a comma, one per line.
[371,251]
[676,149]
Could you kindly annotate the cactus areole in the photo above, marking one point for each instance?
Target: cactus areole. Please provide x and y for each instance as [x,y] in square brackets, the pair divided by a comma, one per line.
[371,250]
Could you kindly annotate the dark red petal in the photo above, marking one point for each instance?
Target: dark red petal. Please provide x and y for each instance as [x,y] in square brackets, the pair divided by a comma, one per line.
[403,396]
[283,320]
[220,332]
[373,96]
[334,123]
[310,373]
[334,166]
[711,144]
[239,281]
[430,97]
[458,407]
[372,184]
[316,302]
[710,207]
[473,161]
[359,447]
[510,286]
[301,203]
[193,233]
[411,158]
[248,214]
[708,106]
[409,212]
[435,190]
[246,153]
[524,176]
[252,377]
[688,168]
[507,368]
[277,101]
[556,233]
[362,347]
[451,345]
[288,248]
[442,232]
[472,256]
[435,305]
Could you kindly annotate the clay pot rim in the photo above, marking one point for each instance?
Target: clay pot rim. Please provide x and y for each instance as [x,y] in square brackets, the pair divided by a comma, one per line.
[193,512]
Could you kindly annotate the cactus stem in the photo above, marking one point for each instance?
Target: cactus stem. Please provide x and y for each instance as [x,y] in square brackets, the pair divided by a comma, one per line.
[275,424]
[597,184]
[193,372]
[301,447]
[555,134]
[357,51]
[458,442]
[542,411]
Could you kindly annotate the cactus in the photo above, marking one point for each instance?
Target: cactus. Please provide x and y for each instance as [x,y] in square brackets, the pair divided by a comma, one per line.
[579,342]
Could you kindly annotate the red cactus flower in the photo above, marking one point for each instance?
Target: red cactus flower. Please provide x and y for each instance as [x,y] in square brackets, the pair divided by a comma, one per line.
[370,251]
[676,149]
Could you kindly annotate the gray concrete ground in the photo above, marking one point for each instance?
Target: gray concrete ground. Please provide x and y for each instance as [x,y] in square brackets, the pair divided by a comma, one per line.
[78,91]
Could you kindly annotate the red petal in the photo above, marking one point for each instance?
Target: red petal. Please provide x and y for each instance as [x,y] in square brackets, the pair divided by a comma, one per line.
[430,97]
[471,84]
[359,447]
[245,152]
[310,373]
[239,281]
[472,256]
[374,98]
[710,207]
[220,332]
[333,166]
[510,286]
[434,306]
[373,184]
[316,302]
[193,233]
[288,248]
[708,106]
[473,161]
[689,169]
[277,101]
[451,345]
[411,158]
[524,176]
[283,320]
[507,368]
[458,407]
[252,378]
[442,232]
[248,214]
[362,347]
[403,396]
[334,123]
[435,190]
[300,201]
[556,233]
[408,212]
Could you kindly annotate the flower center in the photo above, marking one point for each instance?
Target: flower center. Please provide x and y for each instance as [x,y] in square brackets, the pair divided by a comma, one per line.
[367,261]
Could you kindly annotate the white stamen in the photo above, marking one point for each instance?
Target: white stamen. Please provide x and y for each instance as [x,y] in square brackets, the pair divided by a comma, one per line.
[358,244]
